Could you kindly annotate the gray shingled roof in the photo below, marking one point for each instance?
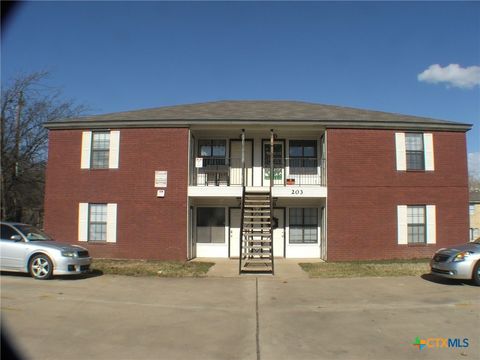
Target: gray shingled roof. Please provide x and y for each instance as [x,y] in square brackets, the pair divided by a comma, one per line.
[248,111]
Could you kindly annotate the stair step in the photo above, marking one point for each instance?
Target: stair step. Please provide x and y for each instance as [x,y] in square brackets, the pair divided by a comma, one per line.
[258,247]
[251,242]
[256,216]
[257,260]
[251,206]
[256,222]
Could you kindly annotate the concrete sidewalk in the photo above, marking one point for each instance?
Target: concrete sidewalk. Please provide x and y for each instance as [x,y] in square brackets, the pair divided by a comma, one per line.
[284,268]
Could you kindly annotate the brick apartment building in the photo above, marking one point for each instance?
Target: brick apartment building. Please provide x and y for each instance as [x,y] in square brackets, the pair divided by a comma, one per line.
[171,182]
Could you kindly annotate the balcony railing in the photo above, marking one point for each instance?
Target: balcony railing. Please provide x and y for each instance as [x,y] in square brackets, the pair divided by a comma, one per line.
[223,171]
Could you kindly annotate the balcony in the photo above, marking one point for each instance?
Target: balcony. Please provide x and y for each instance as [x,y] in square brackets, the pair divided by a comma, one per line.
[288,171]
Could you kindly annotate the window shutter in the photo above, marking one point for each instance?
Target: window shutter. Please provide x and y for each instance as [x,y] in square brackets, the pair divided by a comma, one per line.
[401,151]
[111,223]
[431,224]
[429,158]
[82,221]
[402,224]
[114,149]
[86,146]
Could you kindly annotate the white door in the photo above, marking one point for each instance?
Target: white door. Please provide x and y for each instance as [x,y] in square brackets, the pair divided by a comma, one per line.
[236,162]
[234,233]
[278,163]
[278,233]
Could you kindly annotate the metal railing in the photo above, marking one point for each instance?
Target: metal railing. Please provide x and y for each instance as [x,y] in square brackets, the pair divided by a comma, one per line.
[290,171]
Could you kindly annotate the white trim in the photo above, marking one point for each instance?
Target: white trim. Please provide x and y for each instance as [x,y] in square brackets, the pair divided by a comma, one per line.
[402,225]
[86,148]
[114,149]
[83,222]
[401,154]
[431,224]
[111,223]
[428,149]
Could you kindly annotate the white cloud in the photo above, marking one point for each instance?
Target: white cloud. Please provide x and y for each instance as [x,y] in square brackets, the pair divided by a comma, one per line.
[452,75]
[474,164]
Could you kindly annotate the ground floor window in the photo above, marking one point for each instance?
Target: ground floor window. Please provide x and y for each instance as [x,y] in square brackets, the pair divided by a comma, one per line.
[97,224]
[210,225]
[303,225]
[416,224]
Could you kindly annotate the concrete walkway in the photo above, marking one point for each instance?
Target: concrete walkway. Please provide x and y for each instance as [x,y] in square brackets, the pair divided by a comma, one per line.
[284,268]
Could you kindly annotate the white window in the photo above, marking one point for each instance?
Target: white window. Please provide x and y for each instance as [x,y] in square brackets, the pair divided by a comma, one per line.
[100,149]
[416,224]
[414,151]
[211,225]
[303,225]
[97,222]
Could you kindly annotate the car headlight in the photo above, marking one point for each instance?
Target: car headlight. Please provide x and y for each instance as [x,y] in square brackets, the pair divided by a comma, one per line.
[69,254]
[461,256]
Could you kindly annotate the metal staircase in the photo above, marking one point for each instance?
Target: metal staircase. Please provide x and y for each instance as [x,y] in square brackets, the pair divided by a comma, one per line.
[256,243]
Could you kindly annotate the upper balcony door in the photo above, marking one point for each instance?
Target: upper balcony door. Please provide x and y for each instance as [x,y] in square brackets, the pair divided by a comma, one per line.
[236,162]
[278,162]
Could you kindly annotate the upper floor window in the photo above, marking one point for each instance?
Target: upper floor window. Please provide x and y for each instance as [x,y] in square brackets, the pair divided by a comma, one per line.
[100,149]
[213,152]
[415,151]
[471,209]
[303,154]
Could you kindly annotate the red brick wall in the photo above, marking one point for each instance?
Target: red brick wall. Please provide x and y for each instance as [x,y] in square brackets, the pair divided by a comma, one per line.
[147,227]
[364,189]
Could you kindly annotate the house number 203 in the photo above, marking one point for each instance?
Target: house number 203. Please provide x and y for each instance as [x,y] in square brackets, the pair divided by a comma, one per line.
[297,192]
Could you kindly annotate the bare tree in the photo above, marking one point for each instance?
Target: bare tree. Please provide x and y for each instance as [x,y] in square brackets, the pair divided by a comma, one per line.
[26,104]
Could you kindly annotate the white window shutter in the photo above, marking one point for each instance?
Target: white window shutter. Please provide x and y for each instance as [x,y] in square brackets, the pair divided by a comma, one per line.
[431,224]
[111,223]
[114,149]
[429,158]
[86,147]
[401,151]
[402,224]
[82,221]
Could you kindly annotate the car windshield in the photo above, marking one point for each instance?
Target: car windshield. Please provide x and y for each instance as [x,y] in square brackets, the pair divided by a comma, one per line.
[32,233]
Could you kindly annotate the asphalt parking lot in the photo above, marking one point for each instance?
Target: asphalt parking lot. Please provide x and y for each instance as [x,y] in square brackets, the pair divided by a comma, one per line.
[116,317]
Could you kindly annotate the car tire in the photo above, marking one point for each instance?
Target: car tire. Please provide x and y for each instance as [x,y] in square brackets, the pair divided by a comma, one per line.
[476,274]
[41,267]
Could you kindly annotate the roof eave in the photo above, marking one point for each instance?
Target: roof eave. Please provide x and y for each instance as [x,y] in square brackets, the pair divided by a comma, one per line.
[403,125]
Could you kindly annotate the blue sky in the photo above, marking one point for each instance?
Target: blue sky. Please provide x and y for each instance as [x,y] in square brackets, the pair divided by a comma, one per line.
[115,56]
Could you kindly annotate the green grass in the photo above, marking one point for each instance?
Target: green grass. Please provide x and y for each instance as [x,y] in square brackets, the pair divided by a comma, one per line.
[151,268]
[414,267]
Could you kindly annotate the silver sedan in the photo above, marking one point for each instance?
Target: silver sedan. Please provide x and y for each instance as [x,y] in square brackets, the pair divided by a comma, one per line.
[24,248]
[458,262]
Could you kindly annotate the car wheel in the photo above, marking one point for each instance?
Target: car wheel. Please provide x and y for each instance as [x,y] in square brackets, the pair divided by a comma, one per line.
[476,274]
[41,267]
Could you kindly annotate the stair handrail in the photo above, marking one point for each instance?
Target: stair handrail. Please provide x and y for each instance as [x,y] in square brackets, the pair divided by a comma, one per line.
[242,206]
[272,140]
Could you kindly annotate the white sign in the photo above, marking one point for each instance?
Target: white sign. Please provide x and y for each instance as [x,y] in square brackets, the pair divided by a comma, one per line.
[161,178]
[199,162]
[160,193]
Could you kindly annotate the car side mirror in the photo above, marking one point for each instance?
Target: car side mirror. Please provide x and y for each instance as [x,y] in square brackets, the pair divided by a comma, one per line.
[16,238]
